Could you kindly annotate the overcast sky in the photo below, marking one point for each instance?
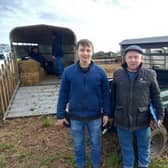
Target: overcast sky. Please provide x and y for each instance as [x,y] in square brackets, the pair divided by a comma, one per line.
[105,22]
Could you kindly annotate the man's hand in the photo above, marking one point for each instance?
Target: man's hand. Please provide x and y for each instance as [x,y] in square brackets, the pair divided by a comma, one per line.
[110,121]
[160,123]
[155,124]
[53,57]
[62,122]
[105,120]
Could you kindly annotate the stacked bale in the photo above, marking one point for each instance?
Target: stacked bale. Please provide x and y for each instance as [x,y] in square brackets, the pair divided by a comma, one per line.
[110,69]
[42,73]
[30,72]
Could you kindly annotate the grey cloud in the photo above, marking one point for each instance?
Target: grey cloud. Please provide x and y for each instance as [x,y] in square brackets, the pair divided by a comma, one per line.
[53,16]
[8,7]
[13,3]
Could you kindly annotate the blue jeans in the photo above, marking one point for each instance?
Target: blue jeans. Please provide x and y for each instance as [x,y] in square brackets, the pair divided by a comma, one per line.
[60,65]
[143,137]
[78,135]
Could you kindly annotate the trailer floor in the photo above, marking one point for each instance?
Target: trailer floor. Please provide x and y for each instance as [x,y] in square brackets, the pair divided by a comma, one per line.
[35,100]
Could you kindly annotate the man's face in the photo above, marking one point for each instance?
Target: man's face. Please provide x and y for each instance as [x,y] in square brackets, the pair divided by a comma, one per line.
[133,60]
[85,54]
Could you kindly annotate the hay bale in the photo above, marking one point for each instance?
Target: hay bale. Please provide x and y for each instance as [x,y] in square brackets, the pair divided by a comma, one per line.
[29,79]
[31,72]
[28,66]
[110,69]
[42,73]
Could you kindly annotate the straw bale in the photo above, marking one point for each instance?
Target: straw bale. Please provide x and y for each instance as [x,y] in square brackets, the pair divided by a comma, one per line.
[28,66]
[29,79]
[42,73]
[110,69]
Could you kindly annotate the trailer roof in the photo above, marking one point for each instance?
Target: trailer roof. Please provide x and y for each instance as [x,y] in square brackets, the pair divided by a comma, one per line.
[40,34]
[148,42]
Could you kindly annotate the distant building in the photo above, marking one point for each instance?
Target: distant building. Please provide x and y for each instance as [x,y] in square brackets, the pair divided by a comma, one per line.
[102,54]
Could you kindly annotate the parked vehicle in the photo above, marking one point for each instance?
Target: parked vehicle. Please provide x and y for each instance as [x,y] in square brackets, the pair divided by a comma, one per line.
[159,135]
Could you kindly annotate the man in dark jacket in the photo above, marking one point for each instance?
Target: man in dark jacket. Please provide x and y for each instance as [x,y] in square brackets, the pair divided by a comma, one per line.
[85,89]
[36,55]
[134,88]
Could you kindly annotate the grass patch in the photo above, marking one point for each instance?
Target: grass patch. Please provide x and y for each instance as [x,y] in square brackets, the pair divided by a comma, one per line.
[3,161]
[23,157]
[67,158]
[49,160]
[7,147]
[113,160]
[159,163]
[47,121]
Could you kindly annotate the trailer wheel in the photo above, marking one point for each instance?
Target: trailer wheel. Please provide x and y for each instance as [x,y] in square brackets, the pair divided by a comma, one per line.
[158,141]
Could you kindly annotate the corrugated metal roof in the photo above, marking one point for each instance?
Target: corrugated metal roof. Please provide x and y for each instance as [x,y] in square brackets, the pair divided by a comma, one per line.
[147,40]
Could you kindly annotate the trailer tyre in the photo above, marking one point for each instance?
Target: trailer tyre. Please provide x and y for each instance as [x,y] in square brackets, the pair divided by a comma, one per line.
[158,141]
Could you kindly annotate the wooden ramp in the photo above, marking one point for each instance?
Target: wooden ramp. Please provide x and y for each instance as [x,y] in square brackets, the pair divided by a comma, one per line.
[34,100]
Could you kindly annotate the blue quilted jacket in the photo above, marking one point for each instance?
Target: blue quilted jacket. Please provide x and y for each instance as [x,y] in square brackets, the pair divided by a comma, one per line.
[86,93]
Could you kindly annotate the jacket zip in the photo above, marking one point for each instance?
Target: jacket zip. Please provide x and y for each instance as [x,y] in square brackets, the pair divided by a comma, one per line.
[130,104]
[85,90]
[131,115]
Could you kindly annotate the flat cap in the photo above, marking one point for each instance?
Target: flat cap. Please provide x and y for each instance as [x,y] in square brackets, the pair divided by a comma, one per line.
[134,48]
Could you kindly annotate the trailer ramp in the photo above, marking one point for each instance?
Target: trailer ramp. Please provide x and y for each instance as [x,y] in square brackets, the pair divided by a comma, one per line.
[34,101]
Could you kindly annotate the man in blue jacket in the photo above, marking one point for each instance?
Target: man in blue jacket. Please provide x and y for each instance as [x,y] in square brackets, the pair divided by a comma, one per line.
[85,89]
[57,53]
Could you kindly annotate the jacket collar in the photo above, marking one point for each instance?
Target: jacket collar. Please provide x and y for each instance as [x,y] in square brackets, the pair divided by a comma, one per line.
[82,69]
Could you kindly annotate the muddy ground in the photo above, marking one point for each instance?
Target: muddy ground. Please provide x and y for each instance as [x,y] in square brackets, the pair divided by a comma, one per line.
[39,143]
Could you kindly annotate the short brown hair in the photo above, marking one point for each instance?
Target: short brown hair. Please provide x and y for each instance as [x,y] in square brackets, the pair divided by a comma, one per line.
[85,42]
